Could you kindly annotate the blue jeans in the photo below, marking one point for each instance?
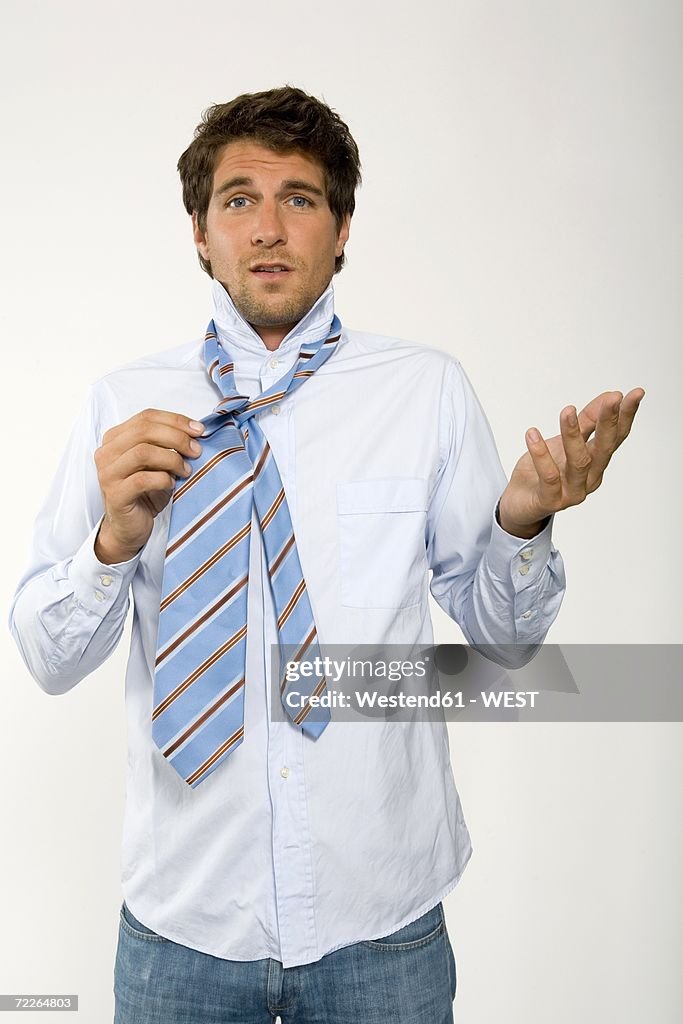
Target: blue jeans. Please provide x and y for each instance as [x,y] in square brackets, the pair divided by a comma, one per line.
[407,977]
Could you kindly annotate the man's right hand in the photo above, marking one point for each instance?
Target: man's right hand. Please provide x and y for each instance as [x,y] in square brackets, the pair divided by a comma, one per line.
[137,466]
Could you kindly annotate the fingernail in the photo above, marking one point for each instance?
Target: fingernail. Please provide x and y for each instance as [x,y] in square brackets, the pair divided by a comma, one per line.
[572,418]
[196,425]
[534,435]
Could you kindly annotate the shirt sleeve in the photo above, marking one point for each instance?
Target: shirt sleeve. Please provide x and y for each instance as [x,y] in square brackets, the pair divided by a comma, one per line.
[69,609]
[503,591]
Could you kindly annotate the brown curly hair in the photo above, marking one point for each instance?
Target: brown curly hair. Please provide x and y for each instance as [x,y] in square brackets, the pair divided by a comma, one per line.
[286,119]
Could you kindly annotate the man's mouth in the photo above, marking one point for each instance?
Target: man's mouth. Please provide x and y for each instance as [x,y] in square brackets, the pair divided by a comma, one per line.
[270,270]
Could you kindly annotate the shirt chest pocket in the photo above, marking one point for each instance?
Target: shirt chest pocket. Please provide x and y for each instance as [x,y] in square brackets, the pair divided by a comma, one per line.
[382,553]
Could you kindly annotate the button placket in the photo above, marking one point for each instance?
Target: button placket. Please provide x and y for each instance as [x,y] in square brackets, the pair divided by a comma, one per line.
[296,899]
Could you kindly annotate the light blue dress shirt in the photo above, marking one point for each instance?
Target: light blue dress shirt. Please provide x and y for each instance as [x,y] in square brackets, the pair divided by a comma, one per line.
[296,847]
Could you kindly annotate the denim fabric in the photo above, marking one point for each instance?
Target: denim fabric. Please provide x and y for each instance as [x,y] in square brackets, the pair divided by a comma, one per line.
[407,977]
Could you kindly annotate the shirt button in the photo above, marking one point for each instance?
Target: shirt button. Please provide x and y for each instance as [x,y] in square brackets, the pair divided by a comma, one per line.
[105,581]
[284,772]
[527,615]
[274,363]
[526,555]
[275,409]
[523,570]
[99,596]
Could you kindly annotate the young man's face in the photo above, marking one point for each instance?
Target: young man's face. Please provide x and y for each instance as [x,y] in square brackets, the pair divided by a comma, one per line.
[269,208]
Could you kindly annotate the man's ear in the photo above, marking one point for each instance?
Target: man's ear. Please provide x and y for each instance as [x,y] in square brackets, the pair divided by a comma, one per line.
[198,235]
[343,235]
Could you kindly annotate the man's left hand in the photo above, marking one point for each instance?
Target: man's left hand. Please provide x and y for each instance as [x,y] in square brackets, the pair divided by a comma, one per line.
[563,470]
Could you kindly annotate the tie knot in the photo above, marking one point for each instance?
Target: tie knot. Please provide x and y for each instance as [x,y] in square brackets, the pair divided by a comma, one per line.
[238,408]
[233,404]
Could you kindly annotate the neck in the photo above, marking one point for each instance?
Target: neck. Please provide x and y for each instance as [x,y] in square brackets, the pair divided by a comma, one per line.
[260,337]
[272,336]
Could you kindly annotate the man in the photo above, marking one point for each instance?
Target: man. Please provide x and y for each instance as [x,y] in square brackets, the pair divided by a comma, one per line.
[292,867]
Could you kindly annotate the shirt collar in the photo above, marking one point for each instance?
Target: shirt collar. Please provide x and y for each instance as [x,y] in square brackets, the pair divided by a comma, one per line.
[234,330]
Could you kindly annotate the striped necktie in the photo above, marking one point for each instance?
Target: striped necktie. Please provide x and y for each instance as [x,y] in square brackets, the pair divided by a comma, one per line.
[200,667]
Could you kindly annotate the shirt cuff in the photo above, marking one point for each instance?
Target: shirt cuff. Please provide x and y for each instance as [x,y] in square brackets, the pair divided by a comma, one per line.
[521,558]
[96,584]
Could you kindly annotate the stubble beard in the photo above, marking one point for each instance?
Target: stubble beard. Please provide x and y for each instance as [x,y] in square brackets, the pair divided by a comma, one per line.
[276,310]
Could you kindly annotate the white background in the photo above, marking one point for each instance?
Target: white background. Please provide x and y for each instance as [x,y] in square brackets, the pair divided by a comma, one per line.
[521,208]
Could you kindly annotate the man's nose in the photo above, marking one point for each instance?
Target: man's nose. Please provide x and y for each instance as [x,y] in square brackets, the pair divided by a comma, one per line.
[269,228]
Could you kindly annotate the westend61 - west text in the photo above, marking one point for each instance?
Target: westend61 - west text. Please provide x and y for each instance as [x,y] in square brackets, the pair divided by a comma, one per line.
[445,699]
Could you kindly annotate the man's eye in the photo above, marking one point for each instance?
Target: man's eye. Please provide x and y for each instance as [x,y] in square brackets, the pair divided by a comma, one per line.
[303,199]
[236,199]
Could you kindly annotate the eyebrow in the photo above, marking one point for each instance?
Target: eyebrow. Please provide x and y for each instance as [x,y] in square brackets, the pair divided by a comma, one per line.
[291,184]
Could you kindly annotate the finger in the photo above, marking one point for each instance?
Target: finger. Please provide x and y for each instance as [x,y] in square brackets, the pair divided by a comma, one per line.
[617,426]
[549,476]
[146,481]
[605,442]
[589,415]
[145,457]
[147,416]
[629,408]
[137,431]
[578,458]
